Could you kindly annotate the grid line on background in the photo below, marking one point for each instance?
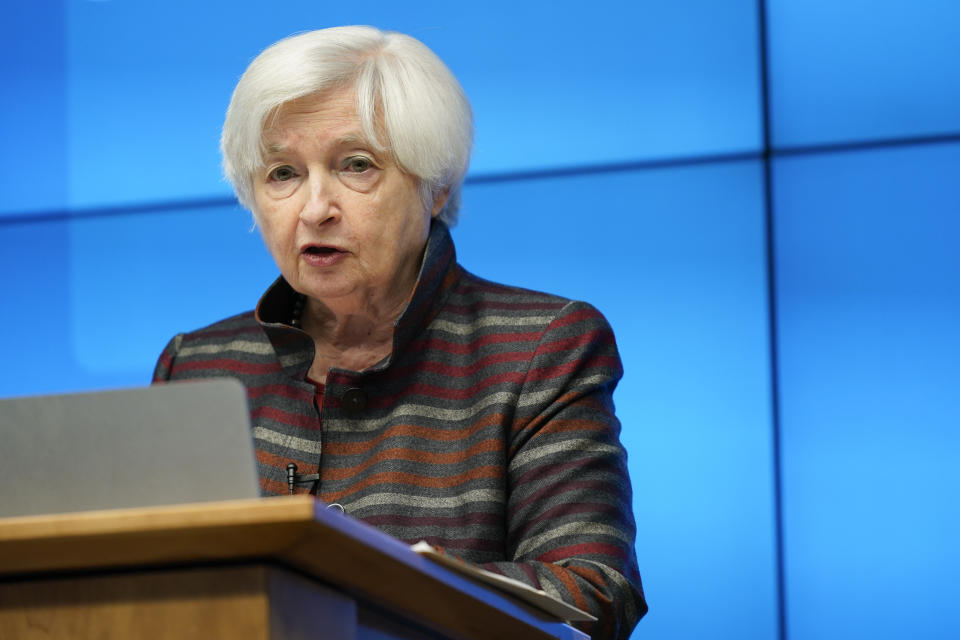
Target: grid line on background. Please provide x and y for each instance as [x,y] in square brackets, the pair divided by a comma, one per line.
[767,154]
[772,333]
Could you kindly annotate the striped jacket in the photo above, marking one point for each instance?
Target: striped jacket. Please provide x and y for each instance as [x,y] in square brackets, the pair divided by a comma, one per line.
[489,431]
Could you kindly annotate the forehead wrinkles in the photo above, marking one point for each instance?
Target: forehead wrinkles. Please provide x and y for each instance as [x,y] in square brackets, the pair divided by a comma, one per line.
[325,134]
[279,141]
[332,112]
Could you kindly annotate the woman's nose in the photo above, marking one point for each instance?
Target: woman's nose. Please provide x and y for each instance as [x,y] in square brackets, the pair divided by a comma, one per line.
[319,205]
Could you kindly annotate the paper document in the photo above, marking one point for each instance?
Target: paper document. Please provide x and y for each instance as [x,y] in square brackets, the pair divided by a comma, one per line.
[539,599]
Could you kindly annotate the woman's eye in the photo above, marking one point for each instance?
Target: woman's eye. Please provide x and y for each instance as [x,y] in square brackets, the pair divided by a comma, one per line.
[282,174]
[358,164]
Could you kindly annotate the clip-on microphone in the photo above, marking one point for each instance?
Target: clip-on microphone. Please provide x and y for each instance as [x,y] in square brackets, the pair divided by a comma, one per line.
[293,479]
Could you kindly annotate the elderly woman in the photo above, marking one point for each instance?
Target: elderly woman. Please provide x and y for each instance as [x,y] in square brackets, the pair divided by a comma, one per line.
[428,402]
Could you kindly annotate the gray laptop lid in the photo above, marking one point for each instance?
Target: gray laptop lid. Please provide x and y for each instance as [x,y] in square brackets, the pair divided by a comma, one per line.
[169,444]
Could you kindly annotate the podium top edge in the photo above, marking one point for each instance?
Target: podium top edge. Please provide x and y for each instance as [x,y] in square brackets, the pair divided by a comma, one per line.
[265,511]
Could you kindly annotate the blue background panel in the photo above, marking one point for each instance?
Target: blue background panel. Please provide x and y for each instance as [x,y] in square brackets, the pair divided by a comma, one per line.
[148,83]
[869,305]
[89,303]
[138,279]
[34,310]
[33,111]
[858,70]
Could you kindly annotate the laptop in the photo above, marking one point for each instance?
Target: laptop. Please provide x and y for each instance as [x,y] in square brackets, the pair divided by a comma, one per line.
[169,444]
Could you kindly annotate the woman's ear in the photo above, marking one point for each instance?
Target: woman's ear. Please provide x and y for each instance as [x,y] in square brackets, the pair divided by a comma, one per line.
[439,202]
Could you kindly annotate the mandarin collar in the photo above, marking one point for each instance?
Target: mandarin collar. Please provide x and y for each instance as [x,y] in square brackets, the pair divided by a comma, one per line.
[438,273]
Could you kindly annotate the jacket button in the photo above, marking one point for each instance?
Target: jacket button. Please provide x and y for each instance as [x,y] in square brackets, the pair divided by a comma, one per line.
[354,400]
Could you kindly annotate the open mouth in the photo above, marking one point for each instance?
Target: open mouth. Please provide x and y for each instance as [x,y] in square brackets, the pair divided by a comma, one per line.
[322,256]
[321,251]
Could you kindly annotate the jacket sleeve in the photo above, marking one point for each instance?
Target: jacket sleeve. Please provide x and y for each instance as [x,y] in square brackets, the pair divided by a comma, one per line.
[571,529]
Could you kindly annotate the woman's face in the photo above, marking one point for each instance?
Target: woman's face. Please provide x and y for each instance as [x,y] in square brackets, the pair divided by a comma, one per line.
[344,224]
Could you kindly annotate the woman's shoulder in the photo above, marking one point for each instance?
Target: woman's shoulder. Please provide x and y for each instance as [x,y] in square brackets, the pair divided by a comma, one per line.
[473,286]
[481,297]
[241,327]
[239,324]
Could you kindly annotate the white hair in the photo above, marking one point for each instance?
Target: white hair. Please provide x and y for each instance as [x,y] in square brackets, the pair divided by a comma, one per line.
[407,100]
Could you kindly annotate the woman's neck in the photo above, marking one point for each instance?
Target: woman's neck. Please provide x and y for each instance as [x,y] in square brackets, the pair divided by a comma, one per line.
[349,338]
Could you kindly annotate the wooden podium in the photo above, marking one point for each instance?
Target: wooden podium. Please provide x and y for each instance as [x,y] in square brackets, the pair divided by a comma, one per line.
[248,569]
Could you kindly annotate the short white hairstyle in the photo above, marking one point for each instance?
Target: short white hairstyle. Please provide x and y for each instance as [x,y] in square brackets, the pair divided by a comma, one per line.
[408,103]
